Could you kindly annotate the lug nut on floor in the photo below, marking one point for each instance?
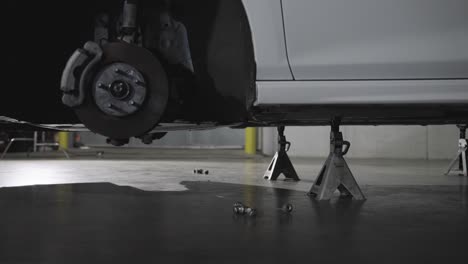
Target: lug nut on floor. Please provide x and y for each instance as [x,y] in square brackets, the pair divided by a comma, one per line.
[241,209]
[287,208]
[201,171]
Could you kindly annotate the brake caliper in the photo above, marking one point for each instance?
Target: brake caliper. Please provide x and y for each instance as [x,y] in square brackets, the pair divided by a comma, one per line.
[77,73]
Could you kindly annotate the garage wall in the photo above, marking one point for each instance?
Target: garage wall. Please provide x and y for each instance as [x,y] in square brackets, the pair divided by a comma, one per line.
[400,142]
[218,138]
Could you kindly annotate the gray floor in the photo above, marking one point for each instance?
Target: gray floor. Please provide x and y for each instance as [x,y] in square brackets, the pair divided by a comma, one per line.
[413,214]
[164,170]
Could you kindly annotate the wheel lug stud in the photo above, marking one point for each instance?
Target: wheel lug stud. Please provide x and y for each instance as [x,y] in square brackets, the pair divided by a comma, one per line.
[119,71]
[102,86]
[138,82]
[133,103]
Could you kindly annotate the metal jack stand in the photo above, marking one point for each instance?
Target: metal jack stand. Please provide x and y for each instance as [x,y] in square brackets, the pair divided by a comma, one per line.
[13,140]
[281,162]
[462,154]
[336,174]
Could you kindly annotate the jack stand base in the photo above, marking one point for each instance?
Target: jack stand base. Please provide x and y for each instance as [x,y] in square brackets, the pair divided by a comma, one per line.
[281,164]
[336,174]
[462,154]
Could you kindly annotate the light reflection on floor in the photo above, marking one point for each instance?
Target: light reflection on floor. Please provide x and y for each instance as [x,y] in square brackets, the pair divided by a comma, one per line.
[166,174]
[32,173]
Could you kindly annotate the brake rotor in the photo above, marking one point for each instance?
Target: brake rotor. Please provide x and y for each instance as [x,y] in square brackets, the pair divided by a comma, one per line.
[127,94]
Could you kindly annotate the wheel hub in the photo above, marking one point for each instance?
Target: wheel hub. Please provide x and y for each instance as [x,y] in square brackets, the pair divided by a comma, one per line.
[119,90]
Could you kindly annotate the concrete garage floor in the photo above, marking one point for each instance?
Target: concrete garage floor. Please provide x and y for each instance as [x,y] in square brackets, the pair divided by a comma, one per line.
[134,206]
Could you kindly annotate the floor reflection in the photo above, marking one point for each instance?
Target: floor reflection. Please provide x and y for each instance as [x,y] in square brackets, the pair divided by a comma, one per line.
[82,222]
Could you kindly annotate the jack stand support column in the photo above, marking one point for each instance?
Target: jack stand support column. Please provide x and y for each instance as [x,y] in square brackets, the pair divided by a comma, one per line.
[462,154]
[281,164]
[336,174]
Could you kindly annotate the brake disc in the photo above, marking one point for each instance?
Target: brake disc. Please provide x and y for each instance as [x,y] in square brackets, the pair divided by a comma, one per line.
[127,94]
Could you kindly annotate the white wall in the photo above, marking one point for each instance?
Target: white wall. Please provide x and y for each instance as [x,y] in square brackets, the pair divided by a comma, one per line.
[400,142]
[216,138]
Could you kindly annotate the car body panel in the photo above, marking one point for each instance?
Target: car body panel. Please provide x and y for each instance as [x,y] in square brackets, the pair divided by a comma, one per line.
[396,92]
[266,23]
[377,39]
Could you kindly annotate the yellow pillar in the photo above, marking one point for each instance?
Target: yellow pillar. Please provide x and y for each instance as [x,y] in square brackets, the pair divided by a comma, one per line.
[63,140]
[251,141]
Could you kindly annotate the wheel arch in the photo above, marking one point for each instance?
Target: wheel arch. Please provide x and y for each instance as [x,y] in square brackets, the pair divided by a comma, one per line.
[222,50]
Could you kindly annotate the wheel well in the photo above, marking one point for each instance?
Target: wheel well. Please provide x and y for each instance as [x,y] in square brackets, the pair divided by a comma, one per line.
[223,56]
[220,44]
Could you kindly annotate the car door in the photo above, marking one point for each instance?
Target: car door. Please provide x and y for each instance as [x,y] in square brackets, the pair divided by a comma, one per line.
[266,23]
[377,39]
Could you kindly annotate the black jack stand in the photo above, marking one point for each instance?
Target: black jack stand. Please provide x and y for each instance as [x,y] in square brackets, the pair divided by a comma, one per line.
[462,154]
[336,174]
[281,164]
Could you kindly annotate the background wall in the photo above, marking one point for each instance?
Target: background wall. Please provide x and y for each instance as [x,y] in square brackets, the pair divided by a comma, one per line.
[219,138]
[399,142]
[394,142]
